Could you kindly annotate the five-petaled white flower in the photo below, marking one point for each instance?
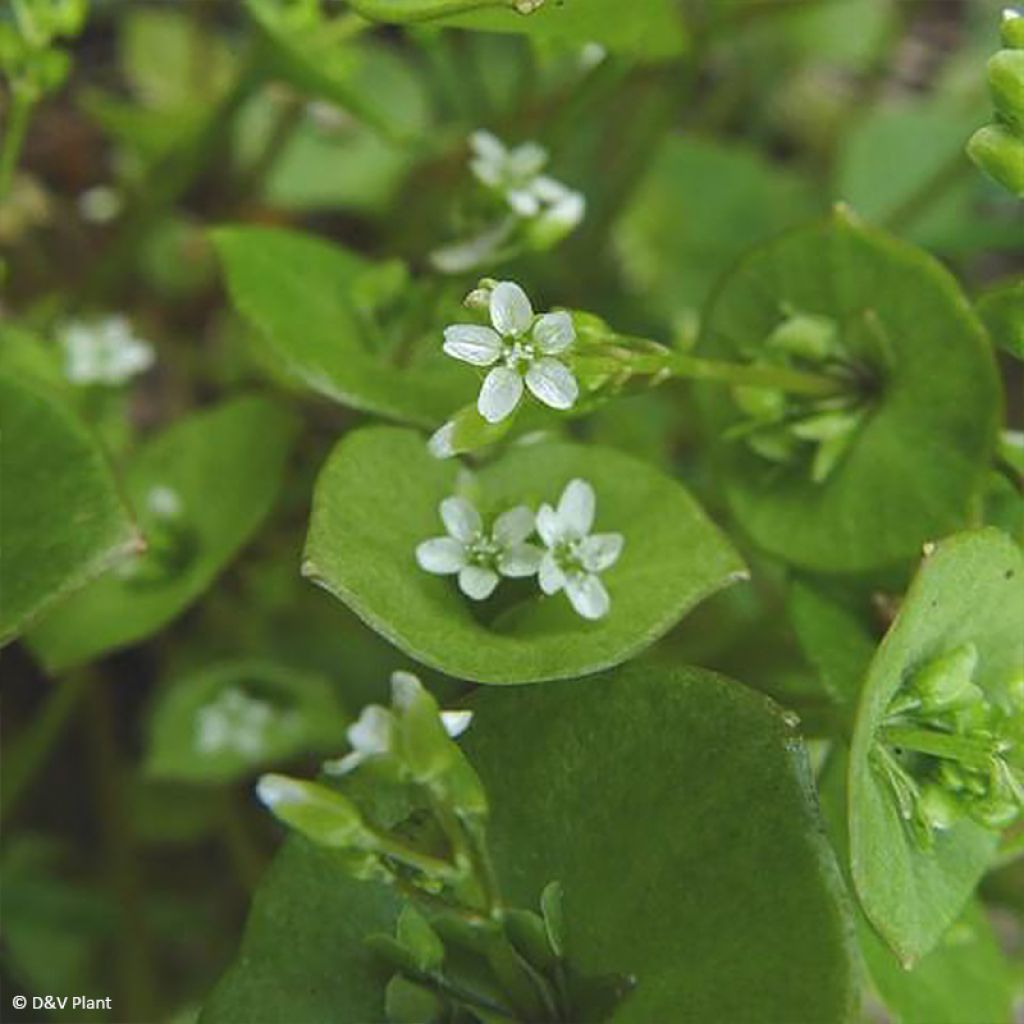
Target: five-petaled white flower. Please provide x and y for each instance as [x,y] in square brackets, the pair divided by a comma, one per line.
[373,732]
[520,346]
[516,173]
[106,352]
[575,556]
[480,558]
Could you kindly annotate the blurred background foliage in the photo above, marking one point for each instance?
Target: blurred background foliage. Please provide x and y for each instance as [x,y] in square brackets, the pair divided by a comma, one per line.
[128,855]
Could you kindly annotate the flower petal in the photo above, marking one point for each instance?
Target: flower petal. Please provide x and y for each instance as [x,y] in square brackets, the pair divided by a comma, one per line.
[588,596]
[487,145]
[600,551]
[441,555]
[552,383]
[472,343]
[526,160]
[523,202]
[520,560]
[576,507]
[549,526]
[405,688]
[511,312]
[500,394]
[477,582]
[371,732]
[548,190]
[460,519]
[513,526]
[550,576]
[554,332]
[456,722]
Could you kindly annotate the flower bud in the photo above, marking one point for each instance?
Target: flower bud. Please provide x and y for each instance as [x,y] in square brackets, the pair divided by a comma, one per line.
[806,336]
[321,814]
[480,296]
[1006,83]
[944,683]
[764,404]
[938,808]
[1012,29]
[1000,154]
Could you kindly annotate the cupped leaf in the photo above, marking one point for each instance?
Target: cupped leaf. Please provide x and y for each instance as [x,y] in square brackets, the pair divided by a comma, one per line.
[297,291]
[64,521]
[377,498]
[918,459]
[222,468]
[701,871]
[969,590]
[225,721]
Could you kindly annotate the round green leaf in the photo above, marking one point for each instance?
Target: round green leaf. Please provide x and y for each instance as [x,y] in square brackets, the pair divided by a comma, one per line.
[64,521]
[1002,309]
[377,498]
[298,292]
[919,459]
[225,465]
[701,870]
[969,589]
[226,721]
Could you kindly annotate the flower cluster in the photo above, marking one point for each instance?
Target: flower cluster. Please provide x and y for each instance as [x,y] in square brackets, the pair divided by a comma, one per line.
[239,723]
[571,559]
[523,351]
[105,352]
[947,749]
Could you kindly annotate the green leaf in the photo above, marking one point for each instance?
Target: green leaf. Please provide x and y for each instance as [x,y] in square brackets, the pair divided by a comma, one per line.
[701,870]
[297,291]
[224,722]
[651,29]
[64,520]
[377,498]
[1002,310]
[225,465]
[700,205]
[969,590]
[919,460]
[422,942]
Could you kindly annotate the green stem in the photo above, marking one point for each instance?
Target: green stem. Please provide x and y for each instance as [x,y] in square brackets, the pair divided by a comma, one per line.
[971,753]
[14,139]
[933,188]
[24,760]
[432,866]
[403,11]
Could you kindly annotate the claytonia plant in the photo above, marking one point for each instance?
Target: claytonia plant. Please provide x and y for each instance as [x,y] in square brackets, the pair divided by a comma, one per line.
[523,351]
[480,558]
[240,723]
[575,557]
[106,352]
[572,561]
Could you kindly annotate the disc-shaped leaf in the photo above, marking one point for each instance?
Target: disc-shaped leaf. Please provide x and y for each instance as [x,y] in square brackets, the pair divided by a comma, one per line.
[919,458]
[377,498]
[969,589]
[225,721]
[297,292]
[701,870]
[222,467]
[63,521]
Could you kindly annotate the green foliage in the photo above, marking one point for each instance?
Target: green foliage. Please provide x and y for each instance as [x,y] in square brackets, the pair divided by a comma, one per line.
[366,526]
[64,520]
[969,591]
[225,484]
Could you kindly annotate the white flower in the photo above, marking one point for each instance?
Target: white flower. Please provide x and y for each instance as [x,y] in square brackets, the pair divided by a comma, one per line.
[373,732]
[238,723]
[519,347]
[100,204]
[480,558]
[575,556]
[516,174]
[106,352]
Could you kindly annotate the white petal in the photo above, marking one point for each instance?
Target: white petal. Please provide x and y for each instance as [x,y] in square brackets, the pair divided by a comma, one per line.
[576,507]
[526,160]
[549,576]
[456,722]
[601,551]
[441,555]
[371,731]
[554,332]
[472,343]
[552,383]
[486,171]
[547,190]
[513,526]
[477,582]
[343,765]
[588,596]
[520,560]
[460,519]
[405,688]
[549,526]
[500,394]
[487,146]
[511,312]
[441,444]
[524,203]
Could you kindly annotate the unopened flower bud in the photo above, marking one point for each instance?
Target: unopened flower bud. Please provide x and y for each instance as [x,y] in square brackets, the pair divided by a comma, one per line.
[319,813]
[944,683]
[1000,154]
[480,296]
[806,336]
[1006,83]
[1012,29]
[938,808]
